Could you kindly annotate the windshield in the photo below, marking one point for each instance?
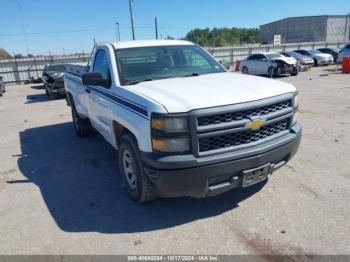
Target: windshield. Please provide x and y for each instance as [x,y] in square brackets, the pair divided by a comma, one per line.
[273,55]
[286,54]
[314,52]
[58,68]
[160,62]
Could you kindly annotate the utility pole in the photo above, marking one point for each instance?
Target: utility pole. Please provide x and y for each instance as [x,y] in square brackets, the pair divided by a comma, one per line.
[346,28]
[132,19]
[117,31]
[23,27]
[156,26]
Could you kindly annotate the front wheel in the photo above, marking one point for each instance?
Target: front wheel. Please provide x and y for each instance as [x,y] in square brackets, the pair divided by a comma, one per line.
[294,71]
[132,171]
[315,62]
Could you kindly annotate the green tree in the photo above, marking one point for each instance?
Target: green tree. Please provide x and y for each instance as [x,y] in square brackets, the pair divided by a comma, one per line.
[223,36]
[4,54]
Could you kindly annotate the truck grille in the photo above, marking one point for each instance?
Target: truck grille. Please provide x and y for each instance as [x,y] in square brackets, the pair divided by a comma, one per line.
[245,137]
[246,114]
[225,128]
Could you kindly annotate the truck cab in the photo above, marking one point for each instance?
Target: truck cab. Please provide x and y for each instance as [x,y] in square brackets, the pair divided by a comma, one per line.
[182,124]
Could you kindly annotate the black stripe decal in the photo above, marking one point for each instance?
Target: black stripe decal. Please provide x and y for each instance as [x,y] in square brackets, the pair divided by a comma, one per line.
[117,99]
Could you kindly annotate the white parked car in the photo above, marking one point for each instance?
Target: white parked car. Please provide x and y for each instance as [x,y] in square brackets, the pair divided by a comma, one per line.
[271,64]
[345,51]
[182,124]
[302,59]
[318,57]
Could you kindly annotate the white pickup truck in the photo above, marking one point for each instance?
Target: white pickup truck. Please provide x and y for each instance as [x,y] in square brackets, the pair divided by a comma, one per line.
[182,124]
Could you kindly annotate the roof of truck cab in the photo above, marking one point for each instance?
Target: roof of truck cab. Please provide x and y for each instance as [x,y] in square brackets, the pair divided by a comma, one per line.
[145,43]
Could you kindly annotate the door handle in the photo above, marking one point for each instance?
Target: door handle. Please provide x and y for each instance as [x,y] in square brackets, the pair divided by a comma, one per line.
[87,90]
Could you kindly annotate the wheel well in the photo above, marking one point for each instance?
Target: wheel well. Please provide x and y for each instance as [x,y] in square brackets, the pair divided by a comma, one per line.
[70,99]
[120,130]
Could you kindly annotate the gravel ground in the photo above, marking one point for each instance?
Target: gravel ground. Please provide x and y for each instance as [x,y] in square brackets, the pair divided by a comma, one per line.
[60,194]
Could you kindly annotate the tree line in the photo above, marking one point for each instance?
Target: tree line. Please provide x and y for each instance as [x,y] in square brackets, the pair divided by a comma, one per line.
[223,36]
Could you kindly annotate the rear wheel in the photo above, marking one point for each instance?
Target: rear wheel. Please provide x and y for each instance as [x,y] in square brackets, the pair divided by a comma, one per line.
[82,126]
[245,70]
[132,170]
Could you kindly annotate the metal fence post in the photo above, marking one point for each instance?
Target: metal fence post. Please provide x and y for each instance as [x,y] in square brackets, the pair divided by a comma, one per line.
[17,77]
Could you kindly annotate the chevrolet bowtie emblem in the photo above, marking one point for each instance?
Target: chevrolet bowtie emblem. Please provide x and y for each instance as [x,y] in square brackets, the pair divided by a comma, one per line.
[255,124]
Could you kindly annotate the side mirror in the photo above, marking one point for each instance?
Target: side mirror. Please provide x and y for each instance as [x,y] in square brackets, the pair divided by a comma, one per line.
[95,79]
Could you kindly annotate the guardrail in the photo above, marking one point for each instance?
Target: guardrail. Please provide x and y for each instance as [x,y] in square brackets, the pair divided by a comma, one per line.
[27,69]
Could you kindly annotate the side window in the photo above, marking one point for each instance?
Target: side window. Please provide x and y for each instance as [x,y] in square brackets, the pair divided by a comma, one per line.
[101,64]
[253,57]
[261,57]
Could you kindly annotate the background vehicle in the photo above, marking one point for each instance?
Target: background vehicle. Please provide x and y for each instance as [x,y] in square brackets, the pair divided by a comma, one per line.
[272,64]
[302,59]
[290,57]
[333,51]
[182,124]
[318,57]
[53,80]
[2,86]
[345,51]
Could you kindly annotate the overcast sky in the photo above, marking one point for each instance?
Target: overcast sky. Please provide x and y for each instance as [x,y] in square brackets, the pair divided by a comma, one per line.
[66,26]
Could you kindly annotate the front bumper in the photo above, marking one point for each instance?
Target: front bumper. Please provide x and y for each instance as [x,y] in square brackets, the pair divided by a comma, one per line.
[56,87]
[176,176]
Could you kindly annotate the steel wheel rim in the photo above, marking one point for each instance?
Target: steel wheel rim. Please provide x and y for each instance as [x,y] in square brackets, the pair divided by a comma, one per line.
[129,169]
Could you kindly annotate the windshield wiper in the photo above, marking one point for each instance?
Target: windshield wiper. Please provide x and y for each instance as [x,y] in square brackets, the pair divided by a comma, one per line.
[135,82]
[193,74]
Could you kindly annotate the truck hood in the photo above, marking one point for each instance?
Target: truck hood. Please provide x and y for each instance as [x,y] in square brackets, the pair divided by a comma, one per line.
[185,94]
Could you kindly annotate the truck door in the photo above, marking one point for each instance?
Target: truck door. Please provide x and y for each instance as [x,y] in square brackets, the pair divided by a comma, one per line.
[99,105]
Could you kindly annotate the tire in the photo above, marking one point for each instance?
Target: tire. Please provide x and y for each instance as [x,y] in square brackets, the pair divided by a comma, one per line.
[315,62]
[82,126]
[131,168]
[245,70]
[294,72]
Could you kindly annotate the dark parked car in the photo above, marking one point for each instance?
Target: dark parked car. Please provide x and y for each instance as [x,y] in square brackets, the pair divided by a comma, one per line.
[2,86]
[331,51]
[53,80]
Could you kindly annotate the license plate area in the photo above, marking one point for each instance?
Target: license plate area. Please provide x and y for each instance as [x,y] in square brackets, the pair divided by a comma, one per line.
[256,175]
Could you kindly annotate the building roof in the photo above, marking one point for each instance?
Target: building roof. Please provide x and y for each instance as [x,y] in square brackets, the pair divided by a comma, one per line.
[298,17]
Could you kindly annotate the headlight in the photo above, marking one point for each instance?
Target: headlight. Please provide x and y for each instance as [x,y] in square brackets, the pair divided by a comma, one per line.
[171,145]
[169,124]
[296,101]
